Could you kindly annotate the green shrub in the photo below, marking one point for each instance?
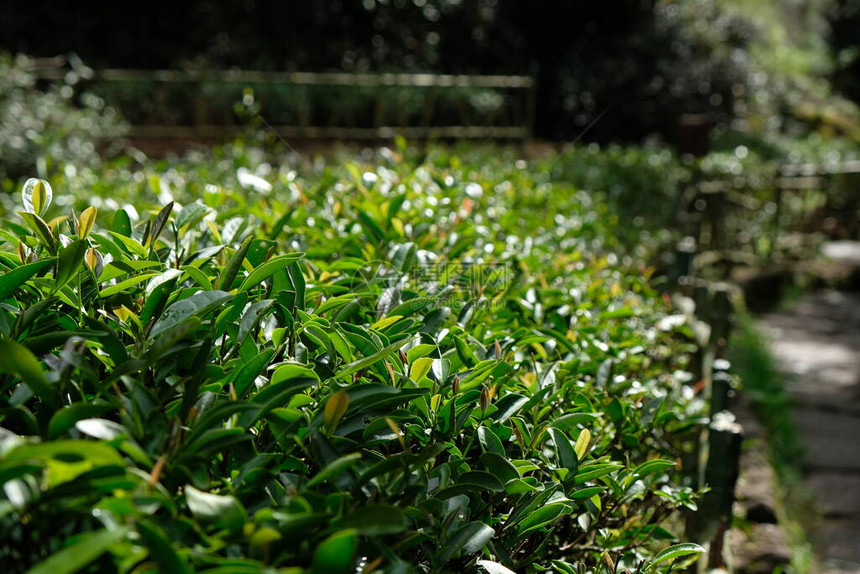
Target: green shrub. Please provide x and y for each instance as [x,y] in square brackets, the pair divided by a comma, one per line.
[41,129]
[417,367]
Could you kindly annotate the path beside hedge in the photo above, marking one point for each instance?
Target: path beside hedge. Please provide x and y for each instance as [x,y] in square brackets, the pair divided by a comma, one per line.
[817,346]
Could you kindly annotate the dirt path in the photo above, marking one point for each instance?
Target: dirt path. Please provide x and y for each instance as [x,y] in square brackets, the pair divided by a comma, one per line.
[817,346]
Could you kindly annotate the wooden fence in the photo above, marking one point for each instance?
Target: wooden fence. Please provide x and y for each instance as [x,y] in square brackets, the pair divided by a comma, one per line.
[740,220]
[709,213]
[328,105]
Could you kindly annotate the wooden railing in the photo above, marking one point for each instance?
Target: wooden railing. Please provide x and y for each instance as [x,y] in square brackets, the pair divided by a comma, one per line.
[328,105]
[744,221]
[705,213]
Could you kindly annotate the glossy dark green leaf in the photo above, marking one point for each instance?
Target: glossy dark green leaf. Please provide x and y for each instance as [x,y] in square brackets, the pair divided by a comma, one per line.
[593,471]
[11,280]
[364,362]
[467,540]
[66,417]
[166,341]
[161,550]
[122,223]
[291,371]
[274,395]
[158,224]
[199,304]
[157,300]
[335,468]
[41,230]
[234,264]
[267,269]
[17,360]
[297,283]
[129,244]
[542,517]
[86,548]
[564,450]
[123,286]
[653,466]
[571,420]
[252,317]
[472,481]
[508,406]
[70,262]
[672,553]
[191,214]
[467,356]
[248,372]
[500,467]
[489,441]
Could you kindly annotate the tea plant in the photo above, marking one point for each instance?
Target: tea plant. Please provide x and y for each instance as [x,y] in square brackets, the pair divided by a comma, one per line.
[424,366]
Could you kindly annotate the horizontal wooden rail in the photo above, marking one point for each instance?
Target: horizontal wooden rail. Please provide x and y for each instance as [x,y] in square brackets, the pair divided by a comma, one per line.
[507,123]
[310,132]
[301,78]
[813,169]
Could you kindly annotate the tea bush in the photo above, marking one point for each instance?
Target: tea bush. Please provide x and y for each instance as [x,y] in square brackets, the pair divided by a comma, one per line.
[40,129]
[416,365]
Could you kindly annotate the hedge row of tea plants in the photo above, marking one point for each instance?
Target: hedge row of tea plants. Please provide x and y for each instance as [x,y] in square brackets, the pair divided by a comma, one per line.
[37,127]
[414,364]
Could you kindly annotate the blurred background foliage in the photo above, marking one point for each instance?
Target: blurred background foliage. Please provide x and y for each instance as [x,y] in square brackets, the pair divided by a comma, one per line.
[759,68]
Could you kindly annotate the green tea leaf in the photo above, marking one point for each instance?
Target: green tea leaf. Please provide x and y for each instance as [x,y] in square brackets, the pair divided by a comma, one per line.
[653,466]
[42,231]
[489,441]
[36,196]
[70,262]
[672,553]
[335,468]
[198,304]
[122,223]
[124,285]
[132,245]
[291,371]
[190,214]
[17,360]
[335,408]
[66,417]
[468,540]
[419,368]
[583,441]
[88,219]
[161,550]
[375,520]
[86,548]
[542,517]
[360,364]
[231,269]
[500,467]
[564,450]
[216,510]
[158,225]
[11,280]
[336,554]
[267,269]
[571,420]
